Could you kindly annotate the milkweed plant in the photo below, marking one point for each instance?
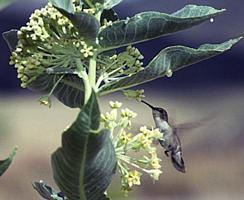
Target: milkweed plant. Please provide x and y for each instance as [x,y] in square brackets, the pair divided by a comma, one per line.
[81,50]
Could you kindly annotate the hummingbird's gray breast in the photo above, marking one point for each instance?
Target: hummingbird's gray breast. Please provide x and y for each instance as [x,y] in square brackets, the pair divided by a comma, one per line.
[167,131]
[168,138]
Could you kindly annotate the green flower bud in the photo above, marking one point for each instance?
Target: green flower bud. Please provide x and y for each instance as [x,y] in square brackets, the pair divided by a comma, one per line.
[45,100]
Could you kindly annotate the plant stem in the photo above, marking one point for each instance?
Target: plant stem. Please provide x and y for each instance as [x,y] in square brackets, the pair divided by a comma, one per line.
[99,81]
[128,160]
[115,71]
[116,138]
[88,88]
[92,71]
[55,85]
[79,65]
[111,65]
[82,74]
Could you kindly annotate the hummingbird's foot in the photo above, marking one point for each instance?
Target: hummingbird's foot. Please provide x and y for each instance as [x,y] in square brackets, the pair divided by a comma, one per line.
[166,153]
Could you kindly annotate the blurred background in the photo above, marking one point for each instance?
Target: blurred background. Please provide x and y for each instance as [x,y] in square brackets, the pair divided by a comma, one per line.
[211,90]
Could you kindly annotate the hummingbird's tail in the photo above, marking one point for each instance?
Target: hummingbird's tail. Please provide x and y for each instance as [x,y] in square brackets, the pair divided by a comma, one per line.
[147,104]
[178,161]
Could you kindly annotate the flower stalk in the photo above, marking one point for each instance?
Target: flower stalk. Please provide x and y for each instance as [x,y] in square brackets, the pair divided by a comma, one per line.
[92,72]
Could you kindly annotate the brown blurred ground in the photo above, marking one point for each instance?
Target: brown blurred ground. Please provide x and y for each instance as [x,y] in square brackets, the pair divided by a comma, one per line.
[213,152]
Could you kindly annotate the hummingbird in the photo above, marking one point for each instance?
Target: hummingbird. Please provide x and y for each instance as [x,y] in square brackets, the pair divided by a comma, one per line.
[171,142]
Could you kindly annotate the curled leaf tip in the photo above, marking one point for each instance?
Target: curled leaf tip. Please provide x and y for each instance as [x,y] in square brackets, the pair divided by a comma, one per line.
[14,151]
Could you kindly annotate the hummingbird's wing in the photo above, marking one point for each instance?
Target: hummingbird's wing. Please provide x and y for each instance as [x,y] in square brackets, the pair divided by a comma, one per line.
[189,126]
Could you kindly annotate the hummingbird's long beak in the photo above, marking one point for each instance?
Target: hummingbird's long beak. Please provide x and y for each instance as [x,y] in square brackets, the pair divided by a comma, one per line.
[148,104]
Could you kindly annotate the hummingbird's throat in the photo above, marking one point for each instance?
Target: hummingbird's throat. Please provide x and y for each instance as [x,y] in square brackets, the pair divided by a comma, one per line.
[160,123]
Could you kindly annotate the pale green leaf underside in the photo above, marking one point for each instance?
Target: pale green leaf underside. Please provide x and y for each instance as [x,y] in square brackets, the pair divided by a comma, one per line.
[4,164]
[171,58]
[149,25]
[66,5]
[84,165]
[108,4]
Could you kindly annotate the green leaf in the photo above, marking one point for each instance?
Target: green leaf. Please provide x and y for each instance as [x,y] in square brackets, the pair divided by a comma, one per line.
[84,165]
[108,4]
[11,38]
[4,164]
[149,25]
[70,89]
[167,61]
[5,3]
[86,24]
[65,5]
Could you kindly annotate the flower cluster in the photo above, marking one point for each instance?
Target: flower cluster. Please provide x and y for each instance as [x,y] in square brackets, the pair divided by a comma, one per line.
[134,94]
[132,58]
[118,121]
[48,40]
[119,65]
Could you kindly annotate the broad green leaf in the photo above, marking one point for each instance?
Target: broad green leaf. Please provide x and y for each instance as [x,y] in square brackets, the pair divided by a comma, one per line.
[4,164]
[149,25]
[11,39]
[70,89]
[87,25]
[167,61]
[65,5]
[84,165]
[5,3]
